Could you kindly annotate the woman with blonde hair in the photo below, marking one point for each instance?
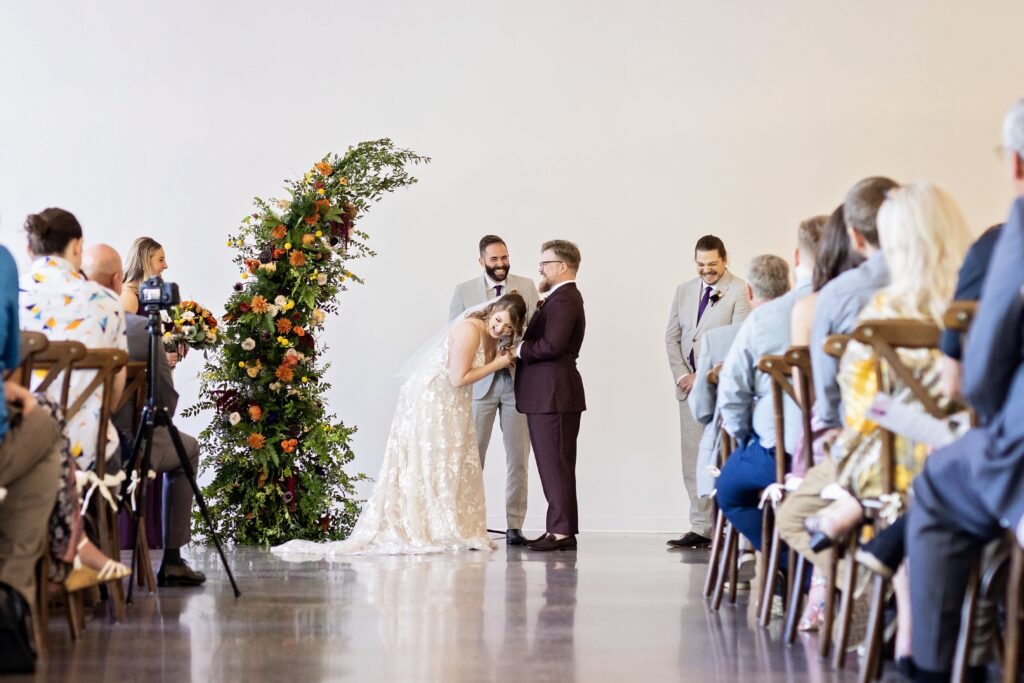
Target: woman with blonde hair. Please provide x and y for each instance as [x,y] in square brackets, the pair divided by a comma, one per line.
[146,258]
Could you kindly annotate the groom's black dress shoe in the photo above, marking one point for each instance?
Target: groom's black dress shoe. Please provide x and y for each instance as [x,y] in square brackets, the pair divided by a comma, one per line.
[515,537]
[179,574]
[690,540]
[550,543]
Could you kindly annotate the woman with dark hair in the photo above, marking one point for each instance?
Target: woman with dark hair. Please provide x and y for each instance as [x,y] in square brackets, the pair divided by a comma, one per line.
[429,495]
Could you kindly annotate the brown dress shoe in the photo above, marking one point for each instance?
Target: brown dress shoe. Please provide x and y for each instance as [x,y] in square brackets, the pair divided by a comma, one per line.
[550,543]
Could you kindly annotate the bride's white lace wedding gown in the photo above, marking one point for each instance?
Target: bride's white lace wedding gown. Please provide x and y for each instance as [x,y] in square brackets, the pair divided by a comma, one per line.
[429,495]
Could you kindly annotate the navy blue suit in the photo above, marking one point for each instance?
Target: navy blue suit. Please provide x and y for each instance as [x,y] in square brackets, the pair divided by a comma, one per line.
[969,282]
[972,490]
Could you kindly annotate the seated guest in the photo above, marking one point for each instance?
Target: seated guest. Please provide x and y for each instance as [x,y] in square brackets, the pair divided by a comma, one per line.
[841,300]
[971,491]
[41,502]
[57,300]
[145,259]
[744,392]
[103,265]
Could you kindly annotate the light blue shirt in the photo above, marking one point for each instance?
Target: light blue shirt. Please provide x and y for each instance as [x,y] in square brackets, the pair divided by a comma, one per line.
[10,337]
[744,392]
[836,312]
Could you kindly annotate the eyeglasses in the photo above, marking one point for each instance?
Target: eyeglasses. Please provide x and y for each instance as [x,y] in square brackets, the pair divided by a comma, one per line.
[544,263]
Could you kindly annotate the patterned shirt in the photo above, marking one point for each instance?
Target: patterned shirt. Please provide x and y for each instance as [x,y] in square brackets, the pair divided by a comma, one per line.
[58,301]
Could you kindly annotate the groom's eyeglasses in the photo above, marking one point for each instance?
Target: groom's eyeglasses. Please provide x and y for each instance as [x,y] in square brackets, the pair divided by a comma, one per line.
[544,263]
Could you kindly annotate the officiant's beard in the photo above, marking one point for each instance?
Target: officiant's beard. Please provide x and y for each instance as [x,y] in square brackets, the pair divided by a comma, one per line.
[497,274]
[544,285]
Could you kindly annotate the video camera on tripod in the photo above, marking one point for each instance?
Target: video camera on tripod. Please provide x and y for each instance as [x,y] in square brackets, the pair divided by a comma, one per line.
[155,294]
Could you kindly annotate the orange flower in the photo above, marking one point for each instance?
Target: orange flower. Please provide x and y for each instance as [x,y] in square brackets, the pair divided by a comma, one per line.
[322,204]
[257,441]
[284,373]
[342,181]
[279,232]
[299,332]
[284,325]
[259,304]
[288,445]
[324,168]
[314,219]
[255,413]
[307,239]
[278,253]
[297,258]
[250,263]
[291,358]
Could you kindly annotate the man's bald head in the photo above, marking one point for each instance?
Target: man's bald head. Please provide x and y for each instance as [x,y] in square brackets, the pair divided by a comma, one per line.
[102,264]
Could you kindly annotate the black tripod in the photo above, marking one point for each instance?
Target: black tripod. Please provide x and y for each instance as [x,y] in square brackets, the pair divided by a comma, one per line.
[158,416]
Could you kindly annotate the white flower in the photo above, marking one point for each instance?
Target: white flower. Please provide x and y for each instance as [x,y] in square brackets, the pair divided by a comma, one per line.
[280,300]
[248,344]
[283,203]
[274,386]
[273,310]
[321,279]
[318,316]
[188,315]
[269,267]
[234,418]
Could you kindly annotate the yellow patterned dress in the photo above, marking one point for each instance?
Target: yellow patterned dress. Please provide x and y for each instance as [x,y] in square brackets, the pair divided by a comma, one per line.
[858,449]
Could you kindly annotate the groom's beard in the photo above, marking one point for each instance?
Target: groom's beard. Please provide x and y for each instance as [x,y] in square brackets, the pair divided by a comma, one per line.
[498,273]
[543,285]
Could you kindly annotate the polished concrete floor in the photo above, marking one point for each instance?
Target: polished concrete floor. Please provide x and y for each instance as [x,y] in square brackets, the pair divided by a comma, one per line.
[622,608]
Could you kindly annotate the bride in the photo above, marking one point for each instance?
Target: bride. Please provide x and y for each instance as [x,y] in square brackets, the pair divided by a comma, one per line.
[429,495]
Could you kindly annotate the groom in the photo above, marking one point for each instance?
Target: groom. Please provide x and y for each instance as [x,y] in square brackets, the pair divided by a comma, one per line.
[549,390]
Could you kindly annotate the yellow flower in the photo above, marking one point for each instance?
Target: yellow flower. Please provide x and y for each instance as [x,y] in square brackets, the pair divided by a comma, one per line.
[245,276]
[239,243]
[241,363]
[305,379]
[309,176]
[229,243]
[252,372]
[290,305]
[287,245]
[283,341]
[319,233]
[321,192]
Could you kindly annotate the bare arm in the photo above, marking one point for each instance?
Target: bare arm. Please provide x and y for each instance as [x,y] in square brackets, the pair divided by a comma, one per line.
[130,300]
[464,342]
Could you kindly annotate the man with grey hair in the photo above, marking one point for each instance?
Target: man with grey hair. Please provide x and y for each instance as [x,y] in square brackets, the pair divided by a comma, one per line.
[971,491]
[744,392]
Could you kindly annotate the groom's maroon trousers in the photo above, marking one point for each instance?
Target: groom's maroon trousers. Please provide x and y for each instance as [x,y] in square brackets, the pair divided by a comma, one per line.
[549,391]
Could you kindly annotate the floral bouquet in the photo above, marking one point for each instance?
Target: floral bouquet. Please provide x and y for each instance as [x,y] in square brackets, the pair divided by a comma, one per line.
[189,324]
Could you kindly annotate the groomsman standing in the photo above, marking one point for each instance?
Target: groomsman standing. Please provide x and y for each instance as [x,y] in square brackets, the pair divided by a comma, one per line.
[714,298]
[494,395]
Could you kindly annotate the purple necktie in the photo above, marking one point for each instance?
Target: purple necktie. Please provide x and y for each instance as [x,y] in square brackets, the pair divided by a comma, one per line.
[700,312]
[497,291]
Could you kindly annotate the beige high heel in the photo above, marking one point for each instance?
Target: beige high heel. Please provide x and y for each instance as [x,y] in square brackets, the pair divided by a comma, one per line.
[84,577]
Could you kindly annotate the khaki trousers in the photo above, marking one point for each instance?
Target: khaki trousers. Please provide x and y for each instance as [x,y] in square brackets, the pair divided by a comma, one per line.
[803,503]
[30,471]
[690,434]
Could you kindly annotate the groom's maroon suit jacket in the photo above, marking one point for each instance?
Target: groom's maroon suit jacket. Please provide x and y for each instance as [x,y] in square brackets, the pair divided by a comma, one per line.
[547,380]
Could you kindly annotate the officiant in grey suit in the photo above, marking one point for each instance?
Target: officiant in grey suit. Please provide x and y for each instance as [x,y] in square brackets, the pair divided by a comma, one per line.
[714,298]
[494,395]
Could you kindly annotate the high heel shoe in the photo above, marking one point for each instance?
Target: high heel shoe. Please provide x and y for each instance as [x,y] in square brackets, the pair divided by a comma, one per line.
[820,541]
[82,577]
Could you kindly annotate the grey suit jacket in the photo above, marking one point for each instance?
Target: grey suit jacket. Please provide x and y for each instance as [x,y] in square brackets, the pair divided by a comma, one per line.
[475,292]
[138,349]
[684,334]
[703,404]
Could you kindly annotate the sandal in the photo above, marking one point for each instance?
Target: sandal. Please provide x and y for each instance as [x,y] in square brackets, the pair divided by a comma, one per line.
[85,577]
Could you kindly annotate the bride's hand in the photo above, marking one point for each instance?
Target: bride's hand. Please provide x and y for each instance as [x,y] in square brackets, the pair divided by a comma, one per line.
[503,360]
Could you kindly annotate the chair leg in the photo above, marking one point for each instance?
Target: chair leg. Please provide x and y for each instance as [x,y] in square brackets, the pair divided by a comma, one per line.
[771,580]
[845,612]
[42,616]
[728,554]
[873,639]
[1011,648]
[767,541]
[825,634]
[111,546]
[734,569]
[966,634]
[144,563]
[76,613]
[795,597]
[716,553]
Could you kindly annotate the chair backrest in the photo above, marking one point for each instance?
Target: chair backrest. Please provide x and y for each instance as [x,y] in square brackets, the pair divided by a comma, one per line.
[134,393]
[29,345]
[799,360]
[960,315]
[885,337]
[777,369]
[55,362]
[726,438]
[835,344]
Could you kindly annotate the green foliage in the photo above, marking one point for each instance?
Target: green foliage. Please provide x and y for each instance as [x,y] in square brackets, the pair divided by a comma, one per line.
[278,457]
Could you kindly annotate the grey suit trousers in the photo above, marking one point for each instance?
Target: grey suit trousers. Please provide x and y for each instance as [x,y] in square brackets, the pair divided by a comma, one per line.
[177,491]
[500,400]
[701,509]
[30,471]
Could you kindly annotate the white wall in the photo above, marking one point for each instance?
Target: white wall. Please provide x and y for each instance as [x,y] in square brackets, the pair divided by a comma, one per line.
[631,128]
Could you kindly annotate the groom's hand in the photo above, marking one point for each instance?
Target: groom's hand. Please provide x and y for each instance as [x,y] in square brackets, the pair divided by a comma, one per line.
[686,383]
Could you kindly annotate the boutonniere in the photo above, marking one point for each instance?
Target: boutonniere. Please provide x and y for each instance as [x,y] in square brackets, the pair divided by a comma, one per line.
[715,297]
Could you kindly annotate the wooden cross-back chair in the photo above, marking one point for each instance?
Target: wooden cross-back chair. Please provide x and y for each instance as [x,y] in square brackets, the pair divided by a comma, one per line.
[778,369]
[886,337]
[724,542]
[134,395]
[56,363]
